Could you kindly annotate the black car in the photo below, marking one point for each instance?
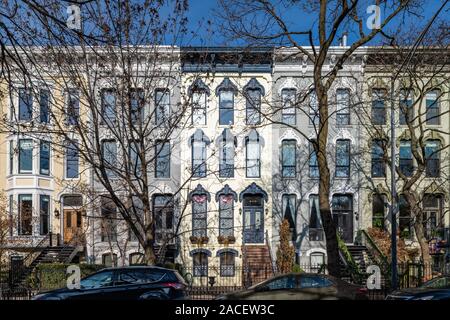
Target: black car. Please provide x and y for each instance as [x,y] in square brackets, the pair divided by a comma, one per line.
[434,289]
[127,283]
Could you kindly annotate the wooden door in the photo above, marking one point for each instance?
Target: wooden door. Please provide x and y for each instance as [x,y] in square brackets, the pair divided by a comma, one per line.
[73,222]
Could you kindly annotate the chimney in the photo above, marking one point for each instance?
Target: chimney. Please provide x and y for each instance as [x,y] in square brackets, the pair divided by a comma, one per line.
[344,39]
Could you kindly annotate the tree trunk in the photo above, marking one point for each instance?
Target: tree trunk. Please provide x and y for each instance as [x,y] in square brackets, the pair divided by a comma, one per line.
[149,254]
[324,186]
[420,234]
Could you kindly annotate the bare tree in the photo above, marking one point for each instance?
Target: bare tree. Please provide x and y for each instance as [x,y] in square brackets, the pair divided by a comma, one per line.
[263,22]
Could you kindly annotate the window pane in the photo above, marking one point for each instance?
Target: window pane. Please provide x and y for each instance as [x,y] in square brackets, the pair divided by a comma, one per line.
[199,108]
[73,107]
[72,159]
[44,214]
[25,156]
[432,105]
[288,100]
[289,158]
[162,105]
[25,214]
[44,104]
[226,215]
[405,158]
[199,203]
[253,159]
[109,150]
[227,264]
[108,107]
[253,106]
[378,107]
[342,106]
[378,161]
[226,112]
[162,159]
[378,209]
[25,104]
[109,224]
[315,224]
[137,105]
[199,158]
[342,158]
[313,165]
[432,158]
[44,158]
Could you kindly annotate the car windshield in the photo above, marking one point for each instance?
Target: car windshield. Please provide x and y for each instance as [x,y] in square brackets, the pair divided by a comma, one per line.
[437,283]
[143,276]
[98,280]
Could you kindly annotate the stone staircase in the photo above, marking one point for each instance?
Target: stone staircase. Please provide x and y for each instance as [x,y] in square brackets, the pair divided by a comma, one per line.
[59,254]
[257,264]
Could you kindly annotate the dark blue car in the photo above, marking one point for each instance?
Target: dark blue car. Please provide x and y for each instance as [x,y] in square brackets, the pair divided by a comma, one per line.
[127,283]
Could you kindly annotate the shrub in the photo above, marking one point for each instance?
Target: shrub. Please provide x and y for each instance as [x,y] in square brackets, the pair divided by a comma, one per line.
[48,276]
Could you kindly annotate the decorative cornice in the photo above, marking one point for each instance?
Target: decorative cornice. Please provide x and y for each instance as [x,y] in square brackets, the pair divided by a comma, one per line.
[253,189]
[199,190]
[200,250]
[227,250]
[253,84]
[226,190]
[226,85]
[198,85]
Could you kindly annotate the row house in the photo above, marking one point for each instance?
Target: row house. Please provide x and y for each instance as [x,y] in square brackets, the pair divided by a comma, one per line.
[235,162]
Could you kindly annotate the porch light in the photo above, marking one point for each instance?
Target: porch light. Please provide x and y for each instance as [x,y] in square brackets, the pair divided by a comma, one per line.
[56,212]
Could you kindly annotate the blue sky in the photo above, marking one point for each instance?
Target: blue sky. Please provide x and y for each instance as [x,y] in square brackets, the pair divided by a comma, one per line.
[202,10]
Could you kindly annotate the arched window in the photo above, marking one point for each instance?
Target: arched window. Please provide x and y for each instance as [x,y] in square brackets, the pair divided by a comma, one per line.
[317,259]
[288,158]
[199,92]
[379,106]
[253,155]
[313,164]
[315,225]
[226,197]
[136,259]
[227,143]
[198,145]
[227,263]
[163,211]
[199,198]
[288,98]
[226,91]
[200,262]
[432,214]
[109,260]
[253,92]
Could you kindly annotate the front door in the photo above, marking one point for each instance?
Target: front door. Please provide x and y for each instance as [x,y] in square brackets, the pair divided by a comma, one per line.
[253,225]
[344,225]
[73,222]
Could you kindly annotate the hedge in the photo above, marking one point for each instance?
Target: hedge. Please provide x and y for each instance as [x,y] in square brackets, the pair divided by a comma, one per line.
[48,276]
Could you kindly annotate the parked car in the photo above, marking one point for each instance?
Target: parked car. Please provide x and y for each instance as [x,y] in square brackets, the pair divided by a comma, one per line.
[300,286]
[127,283]
[434,289]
